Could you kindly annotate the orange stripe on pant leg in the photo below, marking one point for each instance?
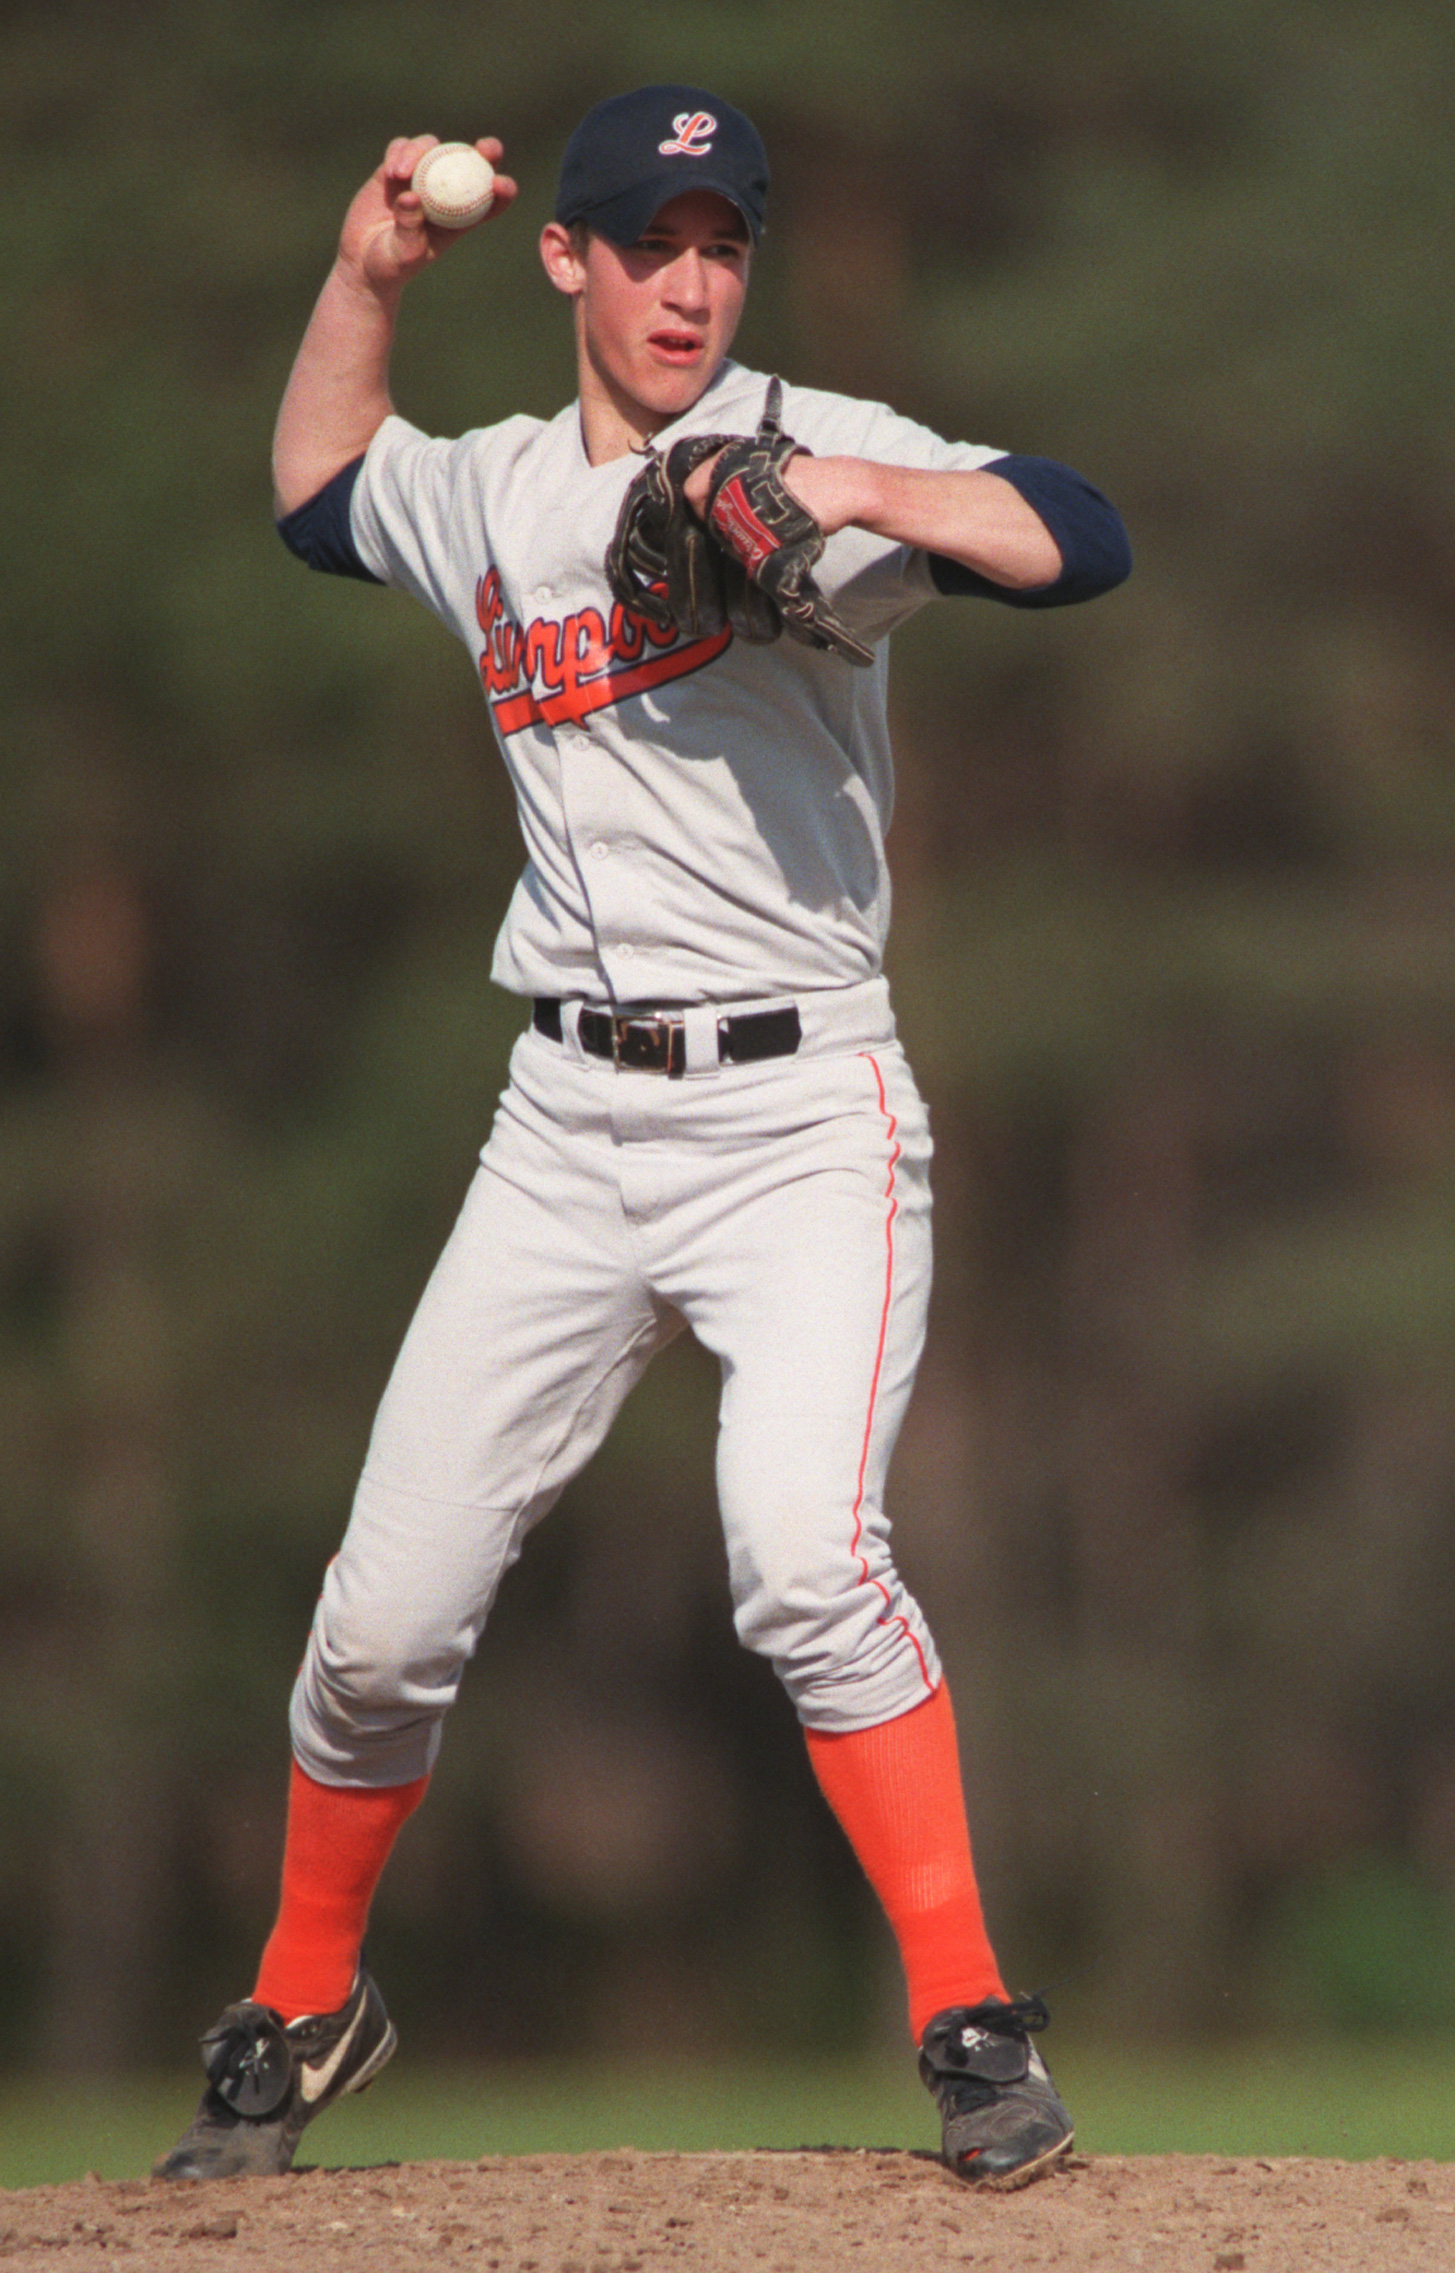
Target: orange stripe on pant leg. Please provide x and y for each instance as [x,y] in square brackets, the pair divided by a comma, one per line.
[855,1548]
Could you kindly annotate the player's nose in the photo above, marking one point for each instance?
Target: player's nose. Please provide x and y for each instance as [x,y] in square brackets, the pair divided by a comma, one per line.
[684,283]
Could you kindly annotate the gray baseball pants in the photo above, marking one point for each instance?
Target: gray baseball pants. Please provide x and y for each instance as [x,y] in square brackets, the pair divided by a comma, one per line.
[781,1210]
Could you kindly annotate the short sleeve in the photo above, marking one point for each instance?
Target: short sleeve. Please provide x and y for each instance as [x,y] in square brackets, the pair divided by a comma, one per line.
[320,531]
[874,583]
[402,506]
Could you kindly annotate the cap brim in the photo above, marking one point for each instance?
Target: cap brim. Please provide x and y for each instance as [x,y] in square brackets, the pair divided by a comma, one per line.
[625,218]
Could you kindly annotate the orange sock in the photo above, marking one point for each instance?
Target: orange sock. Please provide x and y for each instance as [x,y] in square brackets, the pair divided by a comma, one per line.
[896,1791]
[338,1843]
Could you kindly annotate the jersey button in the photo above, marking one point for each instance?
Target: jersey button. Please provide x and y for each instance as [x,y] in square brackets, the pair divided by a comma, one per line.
[600,851]
[626,950]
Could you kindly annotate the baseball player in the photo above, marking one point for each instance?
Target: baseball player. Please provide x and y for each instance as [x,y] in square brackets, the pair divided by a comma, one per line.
[677,595]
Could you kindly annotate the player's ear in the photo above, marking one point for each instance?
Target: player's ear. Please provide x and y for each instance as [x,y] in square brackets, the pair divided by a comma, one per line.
[562,259]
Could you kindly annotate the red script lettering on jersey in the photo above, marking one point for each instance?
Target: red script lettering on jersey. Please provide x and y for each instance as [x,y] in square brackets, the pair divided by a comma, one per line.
[556,669]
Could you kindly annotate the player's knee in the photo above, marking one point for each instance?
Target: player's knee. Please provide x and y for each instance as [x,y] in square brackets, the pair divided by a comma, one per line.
[802,1622]
[368,1713]
[364,1664]
[847,1647]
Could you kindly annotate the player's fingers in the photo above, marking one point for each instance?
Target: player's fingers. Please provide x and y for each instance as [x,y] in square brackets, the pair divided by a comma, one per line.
[505,191]
[404,154]
[490,146]
[698,483]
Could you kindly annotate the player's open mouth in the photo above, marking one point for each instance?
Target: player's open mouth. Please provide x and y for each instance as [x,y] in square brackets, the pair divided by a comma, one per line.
[676,346]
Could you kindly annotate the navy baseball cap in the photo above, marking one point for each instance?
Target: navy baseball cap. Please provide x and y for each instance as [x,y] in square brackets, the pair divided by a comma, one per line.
[632,153]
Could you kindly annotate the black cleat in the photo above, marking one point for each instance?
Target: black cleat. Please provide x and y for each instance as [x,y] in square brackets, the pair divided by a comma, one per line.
[1004,2124]
[267,2079]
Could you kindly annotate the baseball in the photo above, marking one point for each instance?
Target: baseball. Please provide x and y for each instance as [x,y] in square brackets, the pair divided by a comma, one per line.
[456,185]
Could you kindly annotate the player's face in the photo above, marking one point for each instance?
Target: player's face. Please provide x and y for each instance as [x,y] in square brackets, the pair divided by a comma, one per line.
[655,319]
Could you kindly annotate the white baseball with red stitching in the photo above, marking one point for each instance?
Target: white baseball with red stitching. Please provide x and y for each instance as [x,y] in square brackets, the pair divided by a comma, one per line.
[455,185]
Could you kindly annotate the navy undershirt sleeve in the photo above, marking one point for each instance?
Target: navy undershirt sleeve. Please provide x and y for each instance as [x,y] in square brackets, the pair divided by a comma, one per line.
[1095,554]
[320,531]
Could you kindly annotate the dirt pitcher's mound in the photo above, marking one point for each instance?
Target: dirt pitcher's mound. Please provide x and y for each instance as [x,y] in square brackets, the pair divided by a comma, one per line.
[812,2212]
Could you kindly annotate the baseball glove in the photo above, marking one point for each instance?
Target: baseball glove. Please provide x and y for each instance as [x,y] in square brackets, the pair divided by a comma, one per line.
[749,566]
[758,522]
[663,564]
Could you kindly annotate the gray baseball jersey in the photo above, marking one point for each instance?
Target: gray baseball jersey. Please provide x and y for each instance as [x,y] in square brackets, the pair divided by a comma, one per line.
[703,820]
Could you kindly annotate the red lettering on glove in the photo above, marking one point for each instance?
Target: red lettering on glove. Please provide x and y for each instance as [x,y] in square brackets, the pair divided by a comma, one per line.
[739,527]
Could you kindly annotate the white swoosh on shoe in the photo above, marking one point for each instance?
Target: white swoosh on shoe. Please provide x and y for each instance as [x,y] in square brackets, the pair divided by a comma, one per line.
[314,2082]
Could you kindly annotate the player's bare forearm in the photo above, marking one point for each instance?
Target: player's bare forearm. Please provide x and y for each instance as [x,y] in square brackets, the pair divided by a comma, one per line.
[973,518]
[337,395]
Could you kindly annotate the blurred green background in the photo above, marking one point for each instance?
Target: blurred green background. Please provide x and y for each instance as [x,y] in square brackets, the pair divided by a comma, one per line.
[1174,957]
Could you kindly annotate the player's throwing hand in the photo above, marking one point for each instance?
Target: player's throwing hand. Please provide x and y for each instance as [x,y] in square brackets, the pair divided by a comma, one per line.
[386,237]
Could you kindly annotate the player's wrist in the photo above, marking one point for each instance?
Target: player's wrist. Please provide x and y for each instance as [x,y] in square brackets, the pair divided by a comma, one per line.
[840,493]
[365,284]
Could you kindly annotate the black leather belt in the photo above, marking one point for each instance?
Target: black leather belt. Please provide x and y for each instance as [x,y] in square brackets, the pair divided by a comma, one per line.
[656,1041]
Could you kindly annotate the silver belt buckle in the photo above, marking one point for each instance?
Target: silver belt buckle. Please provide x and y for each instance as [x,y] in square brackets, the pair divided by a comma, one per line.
[666,1053]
